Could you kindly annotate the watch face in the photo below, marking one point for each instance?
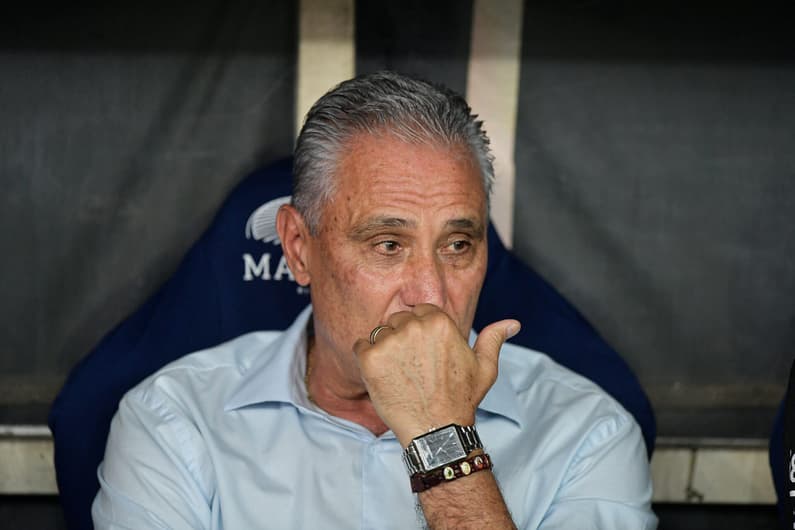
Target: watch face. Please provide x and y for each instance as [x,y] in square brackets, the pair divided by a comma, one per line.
[439,448]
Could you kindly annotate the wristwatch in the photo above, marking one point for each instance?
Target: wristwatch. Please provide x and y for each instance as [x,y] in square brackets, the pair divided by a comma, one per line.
[441,447]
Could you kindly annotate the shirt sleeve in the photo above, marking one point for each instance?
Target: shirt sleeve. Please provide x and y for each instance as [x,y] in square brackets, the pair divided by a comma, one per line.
[154,474]
[608,484]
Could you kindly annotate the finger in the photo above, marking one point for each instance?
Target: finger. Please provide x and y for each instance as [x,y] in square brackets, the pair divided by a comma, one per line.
[360,346]
[424,309]
[492,337]
[395,320]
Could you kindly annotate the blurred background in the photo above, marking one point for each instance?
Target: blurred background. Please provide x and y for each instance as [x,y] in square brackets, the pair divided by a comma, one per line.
[645,168]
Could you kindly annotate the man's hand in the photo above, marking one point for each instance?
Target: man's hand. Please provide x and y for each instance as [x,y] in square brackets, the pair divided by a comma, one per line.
[421,373]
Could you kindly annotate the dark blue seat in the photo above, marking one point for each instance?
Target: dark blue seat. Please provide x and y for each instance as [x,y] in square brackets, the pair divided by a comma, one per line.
[231,282]
[778,467]
[782,441]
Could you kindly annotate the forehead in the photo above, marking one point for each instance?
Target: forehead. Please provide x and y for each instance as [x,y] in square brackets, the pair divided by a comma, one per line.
[384,172]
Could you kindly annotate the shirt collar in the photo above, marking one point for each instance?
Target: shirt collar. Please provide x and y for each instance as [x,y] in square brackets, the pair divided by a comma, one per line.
[277,375]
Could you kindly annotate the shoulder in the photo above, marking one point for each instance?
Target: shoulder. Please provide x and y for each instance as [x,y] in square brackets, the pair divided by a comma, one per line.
[570,432]
[205,375]
[544,389]
[526,367]
[160,443]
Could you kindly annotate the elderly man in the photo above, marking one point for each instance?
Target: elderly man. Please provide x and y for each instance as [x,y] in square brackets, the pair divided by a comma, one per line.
[378,399]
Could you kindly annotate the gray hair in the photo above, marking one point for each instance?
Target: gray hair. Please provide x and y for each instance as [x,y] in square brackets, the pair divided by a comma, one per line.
[412,110]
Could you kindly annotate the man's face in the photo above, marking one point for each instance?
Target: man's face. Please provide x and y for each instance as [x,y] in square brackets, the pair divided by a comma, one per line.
[406,225]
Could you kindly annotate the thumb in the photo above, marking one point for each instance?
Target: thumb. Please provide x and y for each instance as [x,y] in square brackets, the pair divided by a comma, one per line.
[492,337]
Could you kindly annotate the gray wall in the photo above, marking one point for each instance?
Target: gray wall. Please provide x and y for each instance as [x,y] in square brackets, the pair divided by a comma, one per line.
[656,190]
[122,130]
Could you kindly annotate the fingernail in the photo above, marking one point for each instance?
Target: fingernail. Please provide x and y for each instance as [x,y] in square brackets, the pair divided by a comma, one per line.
[512,330]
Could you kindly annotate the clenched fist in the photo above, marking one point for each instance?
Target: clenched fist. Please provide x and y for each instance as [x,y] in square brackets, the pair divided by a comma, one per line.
[421,373]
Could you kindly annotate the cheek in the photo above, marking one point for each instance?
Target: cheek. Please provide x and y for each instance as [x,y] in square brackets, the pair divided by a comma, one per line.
[349,299]
[467,288]
[354,269]
[346,279]
[464,289]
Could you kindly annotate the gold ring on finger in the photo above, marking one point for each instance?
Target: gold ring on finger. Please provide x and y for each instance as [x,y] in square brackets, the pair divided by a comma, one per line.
[375,332]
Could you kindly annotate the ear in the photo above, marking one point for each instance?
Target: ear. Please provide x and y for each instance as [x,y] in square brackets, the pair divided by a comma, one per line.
[294,235]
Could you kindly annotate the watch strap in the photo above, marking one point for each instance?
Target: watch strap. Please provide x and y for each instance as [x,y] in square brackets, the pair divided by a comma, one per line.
[469,437]
[462,468]
[412,460]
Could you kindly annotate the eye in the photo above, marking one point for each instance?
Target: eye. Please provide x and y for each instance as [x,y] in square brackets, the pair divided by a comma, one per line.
[388,247]
[459,246]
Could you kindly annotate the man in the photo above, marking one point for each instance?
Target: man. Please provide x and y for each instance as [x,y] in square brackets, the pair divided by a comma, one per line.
[377,400]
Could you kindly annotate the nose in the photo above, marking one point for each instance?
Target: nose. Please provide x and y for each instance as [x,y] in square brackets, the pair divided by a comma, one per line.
[424,282]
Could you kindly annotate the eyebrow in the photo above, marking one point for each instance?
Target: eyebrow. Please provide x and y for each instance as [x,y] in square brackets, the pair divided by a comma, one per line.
[375,224]
[468,225]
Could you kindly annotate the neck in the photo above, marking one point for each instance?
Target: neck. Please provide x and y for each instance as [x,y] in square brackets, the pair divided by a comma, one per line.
[329,388]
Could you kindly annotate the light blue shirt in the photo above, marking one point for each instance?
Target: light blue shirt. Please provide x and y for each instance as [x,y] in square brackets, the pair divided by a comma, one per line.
[226,438]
